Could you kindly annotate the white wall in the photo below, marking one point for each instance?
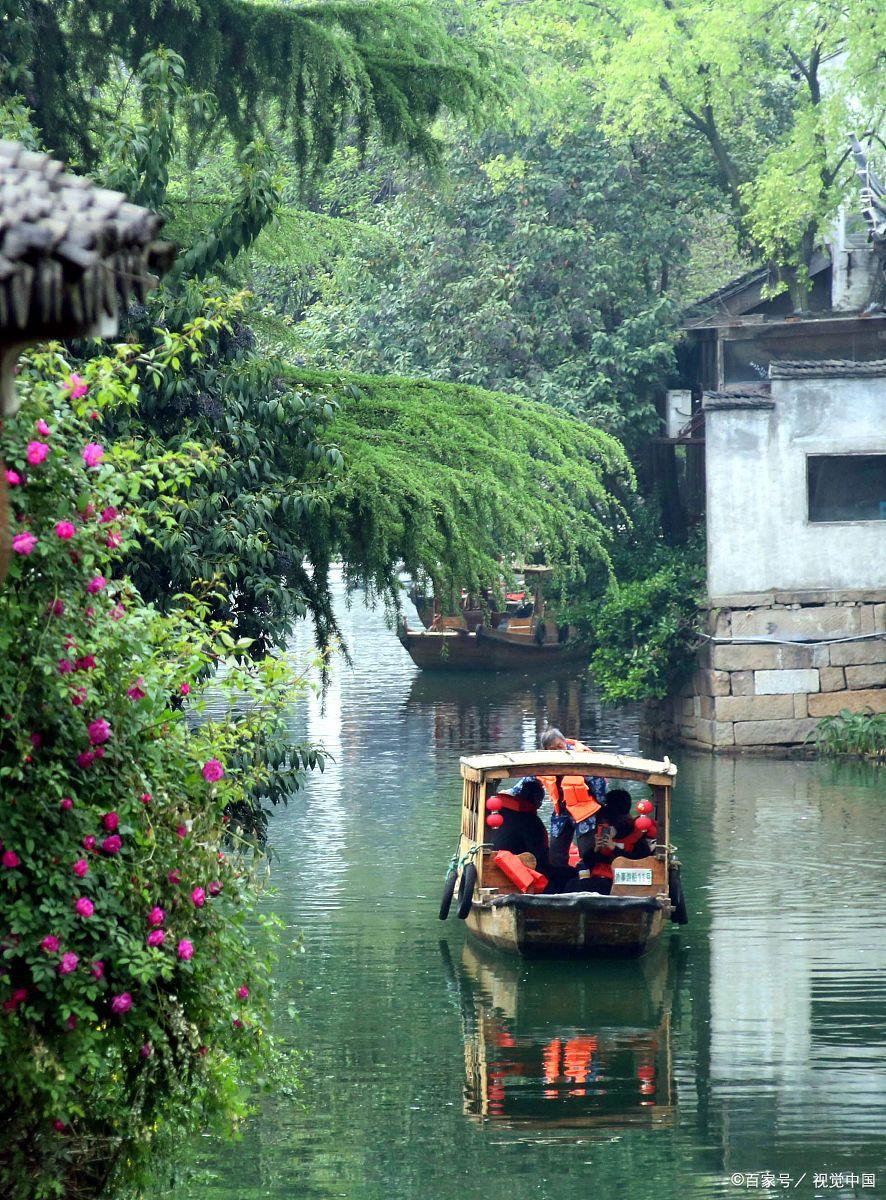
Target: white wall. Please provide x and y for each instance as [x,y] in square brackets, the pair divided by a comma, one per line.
[759,536]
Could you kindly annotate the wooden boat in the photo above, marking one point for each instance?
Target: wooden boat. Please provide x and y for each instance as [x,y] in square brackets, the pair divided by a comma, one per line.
[474,639]
[646,893]
[555,1049]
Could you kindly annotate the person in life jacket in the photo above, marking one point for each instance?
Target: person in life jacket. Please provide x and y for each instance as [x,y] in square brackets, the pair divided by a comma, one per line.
[617,837]
[576,800]
[522,829]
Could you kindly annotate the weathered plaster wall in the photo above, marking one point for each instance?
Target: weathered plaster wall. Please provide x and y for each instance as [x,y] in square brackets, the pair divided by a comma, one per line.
[759,535]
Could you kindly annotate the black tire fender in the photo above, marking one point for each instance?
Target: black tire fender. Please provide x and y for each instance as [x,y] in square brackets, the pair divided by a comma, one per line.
[466,890]
[448,892]
[678,901]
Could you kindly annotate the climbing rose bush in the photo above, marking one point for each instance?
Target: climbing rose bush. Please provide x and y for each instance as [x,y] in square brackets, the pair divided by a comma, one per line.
[133,1001]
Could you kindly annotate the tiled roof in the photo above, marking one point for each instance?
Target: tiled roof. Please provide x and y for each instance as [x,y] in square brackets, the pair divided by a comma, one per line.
[71,253]
[847,368]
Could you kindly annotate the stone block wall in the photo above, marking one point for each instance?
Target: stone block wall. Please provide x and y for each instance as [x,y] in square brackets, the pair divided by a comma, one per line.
[812,655]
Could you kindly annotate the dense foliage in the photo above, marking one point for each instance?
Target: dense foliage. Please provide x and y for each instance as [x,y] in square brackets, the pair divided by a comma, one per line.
[134,1000]
[447,479]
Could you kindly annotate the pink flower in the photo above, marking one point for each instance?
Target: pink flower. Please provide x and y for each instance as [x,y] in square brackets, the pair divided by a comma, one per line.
[122,1003]
[243,993]
[237,1023]
[89,842]
[156,916]
[68,963]
[65,530]
[146,1050]
[184,689]
[99,751]
[77,386]
[117,612]
[93,416]
[66,804]
[145,798]
[50,944]
[57,608]
[113,540]
[24,543]
[174,878]
[99,731]
[182,831]
[156,937]
[112,844]
[111,822]
[65,666]
[71,1022]
[98,583]
[98,969]
[36,740]
[80,868]
[58,1125]
[213,770]
[13,478]
[84,907]
[18,997]
[93,454]
[89,612]
[185,949]
[202,1051]
[78,697]
[198,897]
[136,691]
[85,759]
[42,428]
[86,663]
[108,514]
[36,453]
[10,860]
[215,888]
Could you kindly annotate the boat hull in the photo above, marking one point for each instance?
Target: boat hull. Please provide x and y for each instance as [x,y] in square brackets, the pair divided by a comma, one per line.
[456,650]
[578,925]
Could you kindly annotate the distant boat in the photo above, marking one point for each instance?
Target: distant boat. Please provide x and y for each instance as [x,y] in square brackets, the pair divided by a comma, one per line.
[482,639]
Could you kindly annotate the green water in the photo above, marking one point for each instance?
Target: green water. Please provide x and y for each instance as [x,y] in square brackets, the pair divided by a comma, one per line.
[752,1041]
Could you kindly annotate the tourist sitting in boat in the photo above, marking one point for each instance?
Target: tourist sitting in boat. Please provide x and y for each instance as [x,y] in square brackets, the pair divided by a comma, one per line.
[576,800]
[619,835]
[522,830]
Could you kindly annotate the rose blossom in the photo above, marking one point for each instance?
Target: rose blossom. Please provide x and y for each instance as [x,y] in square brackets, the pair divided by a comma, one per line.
[112,844]
[93,454]
[78,697]
[243,993]
[237,1023]
[90,613]
[185,949]
[215,888]
[146,1050]
[113,540]
[84,907]
[42,428]
[50,944]
[111,822]
[99,731]
[65,530]
[156,937]
[136,691]
[36,453]
[213,770]
[66,804]
[185,689]
[86,663]
[156,916]
[80,868]
[117,612]
[98,969]
[10,860]
[77,386]
[85,758]
[174,878]
[145,798]
[65,666]
[24,543]
[68,963]
[182,831]
[71,1022]
[13,478]
[122,1003]
[89,842]
[98,583]
[108,514]
[57,608]
[198,897]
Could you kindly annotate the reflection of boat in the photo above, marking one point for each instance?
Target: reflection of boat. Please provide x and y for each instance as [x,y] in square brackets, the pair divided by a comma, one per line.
[559,1049]
[646,892]
[521,638]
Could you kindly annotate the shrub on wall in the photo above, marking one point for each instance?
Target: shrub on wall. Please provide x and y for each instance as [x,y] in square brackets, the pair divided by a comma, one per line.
[133,1000]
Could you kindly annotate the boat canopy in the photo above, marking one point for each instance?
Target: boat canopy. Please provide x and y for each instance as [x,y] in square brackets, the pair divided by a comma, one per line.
[566,762]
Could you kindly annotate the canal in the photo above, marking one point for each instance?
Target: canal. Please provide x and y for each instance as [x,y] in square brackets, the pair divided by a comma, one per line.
[752,1044]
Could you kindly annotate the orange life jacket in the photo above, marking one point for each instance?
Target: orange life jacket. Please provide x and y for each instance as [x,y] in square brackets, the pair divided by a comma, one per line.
[573,793]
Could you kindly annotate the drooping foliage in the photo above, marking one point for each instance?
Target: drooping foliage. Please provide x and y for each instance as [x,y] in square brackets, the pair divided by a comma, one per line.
[312,69]
[545,267]
[134,996]
[453,481]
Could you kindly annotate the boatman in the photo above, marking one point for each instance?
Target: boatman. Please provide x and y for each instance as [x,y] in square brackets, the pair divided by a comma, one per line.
[576,800]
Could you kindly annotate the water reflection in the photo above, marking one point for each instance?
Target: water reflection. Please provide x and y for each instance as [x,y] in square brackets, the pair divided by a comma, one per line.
[545,1053]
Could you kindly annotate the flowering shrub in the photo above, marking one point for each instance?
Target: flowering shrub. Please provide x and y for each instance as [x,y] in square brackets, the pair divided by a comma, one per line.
[132,1000]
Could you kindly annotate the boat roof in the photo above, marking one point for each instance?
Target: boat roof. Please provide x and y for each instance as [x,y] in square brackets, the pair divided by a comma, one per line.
[569,762]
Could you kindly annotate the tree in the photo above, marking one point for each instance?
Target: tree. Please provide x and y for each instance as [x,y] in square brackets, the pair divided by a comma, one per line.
[771,90]
[314,70]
